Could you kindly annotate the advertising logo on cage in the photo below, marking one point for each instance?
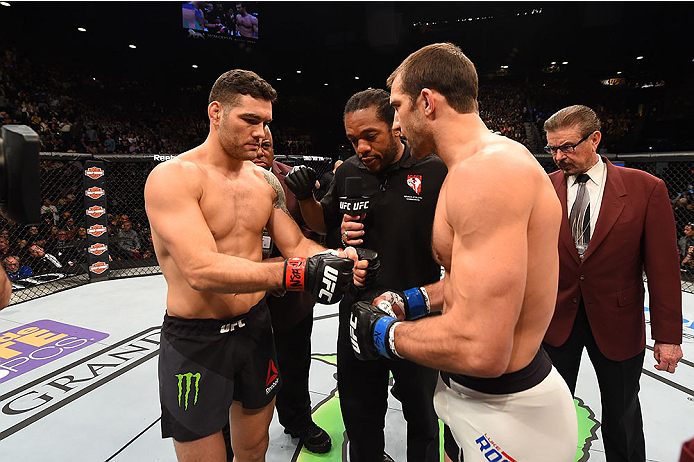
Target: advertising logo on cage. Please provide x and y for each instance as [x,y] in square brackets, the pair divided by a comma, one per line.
[97,249]
[97,230]
[94,192]
[95,211]
[94,173]
[98,268]
[32,345]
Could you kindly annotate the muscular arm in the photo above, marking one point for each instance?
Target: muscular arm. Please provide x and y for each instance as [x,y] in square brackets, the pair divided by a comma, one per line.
[284,231]
[180,228]
[485,286]
[5,289]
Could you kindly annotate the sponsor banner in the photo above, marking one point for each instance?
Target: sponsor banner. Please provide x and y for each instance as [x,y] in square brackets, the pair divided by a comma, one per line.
[96,219]
[27,347]
[30,402]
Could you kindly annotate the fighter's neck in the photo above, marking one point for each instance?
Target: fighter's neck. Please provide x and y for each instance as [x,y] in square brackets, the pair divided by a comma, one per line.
[457,136]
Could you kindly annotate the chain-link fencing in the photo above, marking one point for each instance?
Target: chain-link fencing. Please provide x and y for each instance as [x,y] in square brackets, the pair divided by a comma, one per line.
[63,250]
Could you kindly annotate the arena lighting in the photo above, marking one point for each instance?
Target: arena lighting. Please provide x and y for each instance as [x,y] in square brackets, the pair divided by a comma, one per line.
[504,67]
[82,29]
[639,57]
[619,72]
[356,78]
[325,84]
[565,62]
[553,63]
[278,79]
[132,46]
[298,72]
[194,66]
[5,3]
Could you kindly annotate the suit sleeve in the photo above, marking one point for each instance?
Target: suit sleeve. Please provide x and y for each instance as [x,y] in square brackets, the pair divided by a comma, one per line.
[661,263]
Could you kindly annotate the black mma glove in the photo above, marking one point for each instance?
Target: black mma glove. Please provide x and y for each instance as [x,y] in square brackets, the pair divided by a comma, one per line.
[325,275]
[414,302]
[374,267]
[301,180]
[371,332]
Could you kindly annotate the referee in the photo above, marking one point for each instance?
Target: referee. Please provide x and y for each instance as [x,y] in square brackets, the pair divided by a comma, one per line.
[403,192]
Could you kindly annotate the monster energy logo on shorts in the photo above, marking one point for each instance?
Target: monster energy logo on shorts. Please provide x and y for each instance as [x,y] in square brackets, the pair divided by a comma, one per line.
[188,376]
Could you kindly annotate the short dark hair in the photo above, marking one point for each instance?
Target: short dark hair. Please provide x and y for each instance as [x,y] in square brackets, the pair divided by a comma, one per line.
[442,67]
[231,84]
[582,117]
[372,97]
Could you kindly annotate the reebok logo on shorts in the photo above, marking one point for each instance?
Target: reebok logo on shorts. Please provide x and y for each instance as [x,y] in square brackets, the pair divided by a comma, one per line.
[491,451]
[185,381]
[272,377]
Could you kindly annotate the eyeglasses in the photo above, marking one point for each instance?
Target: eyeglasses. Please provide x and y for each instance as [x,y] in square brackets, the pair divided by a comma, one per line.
[565,148]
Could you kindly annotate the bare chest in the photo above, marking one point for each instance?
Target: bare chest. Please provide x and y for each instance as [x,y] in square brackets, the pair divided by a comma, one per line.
[236,211]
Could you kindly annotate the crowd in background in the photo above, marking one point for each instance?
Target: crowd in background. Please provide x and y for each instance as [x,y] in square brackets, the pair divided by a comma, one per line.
[77,113]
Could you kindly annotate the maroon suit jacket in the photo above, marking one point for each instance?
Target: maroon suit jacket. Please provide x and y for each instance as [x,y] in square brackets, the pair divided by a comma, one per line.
[635,231]
[291,308]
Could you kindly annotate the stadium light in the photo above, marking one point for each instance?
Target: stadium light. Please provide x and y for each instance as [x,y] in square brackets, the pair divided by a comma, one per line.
[82,29]
[195,66]
[639,57]
[298,72]
[356,78]
[132,46]
[565,62]
[5,3]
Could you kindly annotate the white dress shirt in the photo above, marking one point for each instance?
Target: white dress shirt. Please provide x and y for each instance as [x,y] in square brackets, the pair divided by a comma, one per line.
[595,187]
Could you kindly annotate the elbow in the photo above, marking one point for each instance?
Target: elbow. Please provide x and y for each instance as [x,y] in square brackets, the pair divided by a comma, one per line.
[196,280]
[488,364]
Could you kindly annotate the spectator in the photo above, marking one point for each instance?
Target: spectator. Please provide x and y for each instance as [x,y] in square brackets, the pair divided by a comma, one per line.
[15,270]
[42,262]
[128,241]
[50,209]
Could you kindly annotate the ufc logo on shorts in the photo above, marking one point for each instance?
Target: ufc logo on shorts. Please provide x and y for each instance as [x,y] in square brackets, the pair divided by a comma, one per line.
[329,280]
[352,335]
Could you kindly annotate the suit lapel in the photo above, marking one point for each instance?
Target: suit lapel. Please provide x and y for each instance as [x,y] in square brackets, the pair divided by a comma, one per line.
[559,182]
[610,209]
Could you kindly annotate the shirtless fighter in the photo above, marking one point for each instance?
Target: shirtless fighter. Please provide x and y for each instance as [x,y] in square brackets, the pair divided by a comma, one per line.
[498,391]
[246,24]
[207,209]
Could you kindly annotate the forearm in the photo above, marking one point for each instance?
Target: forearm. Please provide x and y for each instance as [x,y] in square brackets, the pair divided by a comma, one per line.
[440,343]
[312,212]
[221,273]
[305,248]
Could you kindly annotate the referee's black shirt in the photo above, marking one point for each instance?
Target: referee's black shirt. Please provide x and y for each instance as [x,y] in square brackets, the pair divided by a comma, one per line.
[399,221]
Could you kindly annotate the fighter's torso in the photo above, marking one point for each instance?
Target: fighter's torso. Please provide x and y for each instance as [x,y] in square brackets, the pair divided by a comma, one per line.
[236,208]
[542,259]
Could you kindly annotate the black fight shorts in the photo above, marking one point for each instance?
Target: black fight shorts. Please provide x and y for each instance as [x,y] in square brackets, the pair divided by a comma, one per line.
[205,364]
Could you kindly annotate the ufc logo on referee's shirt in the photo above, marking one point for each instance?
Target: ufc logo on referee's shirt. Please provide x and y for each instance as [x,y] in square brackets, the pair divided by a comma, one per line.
[329,280]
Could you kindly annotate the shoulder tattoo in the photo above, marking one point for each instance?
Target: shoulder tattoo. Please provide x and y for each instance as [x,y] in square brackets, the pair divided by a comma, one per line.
[280,202]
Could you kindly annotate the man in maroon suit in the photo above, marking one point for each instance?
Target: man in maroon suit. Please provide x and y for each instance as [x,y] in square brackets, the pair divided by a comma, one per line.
[617,223]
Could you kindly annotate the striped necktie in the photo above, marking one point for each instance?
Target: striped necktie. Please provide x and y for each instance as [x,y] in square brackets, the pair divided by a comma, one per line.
[579,218]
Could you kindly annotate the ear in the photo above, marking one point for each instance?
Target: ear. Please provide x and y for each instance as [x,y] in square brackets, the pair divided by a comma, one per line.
[595,139]
[428,101]
[214,112]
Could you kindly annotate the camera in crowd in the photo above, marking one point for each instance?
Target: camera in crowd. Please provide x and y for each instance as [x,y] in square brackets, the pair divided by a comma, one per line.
[20,197]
